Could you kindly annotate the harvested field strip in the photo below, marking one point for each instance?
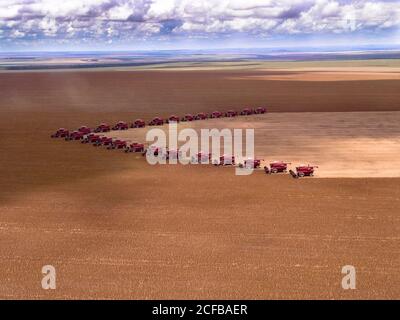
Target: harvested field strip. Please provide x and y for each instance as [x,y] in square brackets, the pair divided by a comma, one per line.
[351,144]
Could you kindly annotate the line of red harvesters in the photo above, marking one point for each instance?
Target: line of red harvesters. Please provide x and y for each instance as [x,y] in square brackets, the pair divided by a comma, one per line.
[94,137]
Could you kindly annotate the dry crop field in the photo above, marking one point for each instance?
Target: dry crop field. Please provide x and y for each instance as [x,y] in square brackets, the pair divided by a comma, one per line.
[116,227]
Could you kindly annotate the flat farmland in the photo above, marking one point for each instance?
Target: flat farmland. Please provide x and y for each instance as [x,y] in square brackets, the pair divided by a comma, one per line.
[116,227]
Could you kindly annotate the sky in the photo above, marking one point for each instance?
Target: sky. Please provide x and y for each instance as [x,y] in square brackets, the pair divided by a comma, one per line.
[48,25]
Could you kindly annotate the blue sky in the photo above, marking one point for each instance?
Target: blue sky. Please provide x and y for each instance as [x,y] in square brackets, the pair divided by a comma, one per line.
[190,24]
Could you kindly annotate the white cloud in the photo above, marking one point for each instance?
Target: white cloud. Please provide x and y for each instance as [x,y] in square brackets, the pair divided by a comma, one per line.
[186,18]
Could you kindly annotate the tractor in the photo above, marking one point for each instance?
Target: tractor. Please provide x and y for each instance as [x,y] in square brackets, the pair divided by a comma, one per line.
[216,114]
[157,121]
[260,110]
[201,116]
[121,125]
[102,128]
[60,133]
[138,123]
[172,118]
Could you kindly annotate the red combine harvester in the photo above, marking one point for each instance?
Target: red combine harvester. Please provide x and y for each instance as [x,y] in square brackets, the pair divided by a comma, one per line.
[231,113]
[253,163]
[260,110]
[121,125]
[226,160]
[60,133]
[90,138]
[101,140]
[246,112]
[172,154]
[216,114]
[152,151]
[172,118]
[117,144]
[305,170]
[102,128]
[85,130]
[96,140]
[201,116]
[188,117]
[134,147]
[104,141]
[157,121]
[138,123]
[75,135]
[279,166]
[202,157]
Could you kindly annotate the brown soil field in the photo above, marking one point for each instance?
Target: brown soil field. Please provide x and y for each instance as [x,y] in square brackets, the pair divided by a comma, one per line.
[338,74]
[116,227]
[184,91]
